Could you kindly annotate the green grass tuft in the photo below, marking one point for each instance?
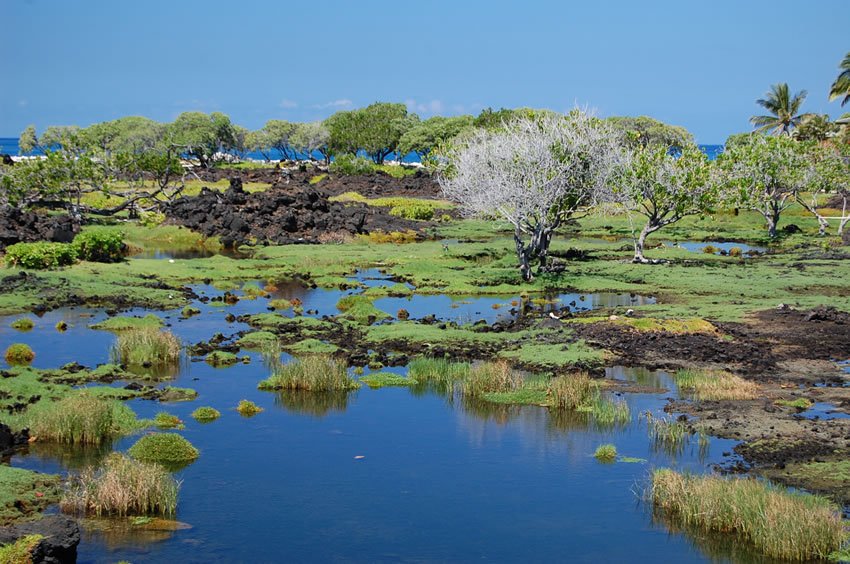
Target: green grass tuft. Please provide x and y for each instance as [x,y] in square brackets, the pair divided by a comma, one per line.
[127,323]
[206,414]
[247,408]
[20,551]
[122,486]
[165,420]
[314,373]
[23,324]
[221,359]
[386,379]
[606,453]
[81,418]
[169,449]
[146,347]
[781,524]
[19,354]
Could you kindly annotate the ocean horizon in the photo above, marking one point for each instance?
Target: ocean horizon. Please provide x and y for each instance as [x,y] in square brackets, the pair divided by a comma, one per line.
[9,146]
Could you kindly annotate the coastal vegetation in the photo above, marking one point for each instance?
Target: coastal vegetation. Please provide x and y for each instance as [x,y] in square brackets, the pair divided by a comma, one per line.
[312,373]
[145,347]
[168,449]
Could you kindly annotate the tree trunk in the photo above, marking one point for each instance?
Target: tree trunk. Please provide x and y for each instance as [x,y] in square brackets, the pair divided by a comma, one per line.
[641,241]
[523,254]
[771,216]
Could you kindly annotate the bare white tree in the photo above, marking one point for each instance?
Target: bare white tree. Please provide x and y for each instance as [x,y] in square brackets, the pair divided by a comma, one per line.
[535,173]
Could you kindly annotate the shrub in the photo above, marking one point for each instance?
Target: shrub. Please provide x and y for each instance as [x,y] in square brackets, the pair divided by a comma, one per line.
[735,252]
[397,237]
[572,391]
[247,408]
[23,324]
[314,373]
[402,314]
[349,165]
[781,524]
[169,449]
[206,414]
[40,255]
[146,347]
[100,246]
[710,249]
[81,418]
[122,486]
[151,219]
[606,453]
[19,353]
[413,211]
[491,377]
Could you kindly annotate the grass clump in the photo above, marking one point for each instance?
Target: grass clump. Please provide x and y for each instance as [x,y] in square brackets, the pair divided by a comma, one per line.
[247,408]
[360,310]
[81,418]
[572,391]
[169,449]
[312,346]
[19,354]
[314,373]
[20,551]
[439,371]
[23,324]
[608,413]
[800,404]
[672,435]
[491,378]
[781,524]
[127,323]
[386,379]
[716,385]
[189,311]
[257,340]
[165,420]
[206,414]
[221,359]
[146,347]
[122,486]
[606,453]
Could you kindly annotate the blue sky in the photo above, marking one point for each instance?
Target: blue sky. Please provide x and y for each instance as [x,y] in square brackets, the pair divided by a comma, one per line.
[696,64]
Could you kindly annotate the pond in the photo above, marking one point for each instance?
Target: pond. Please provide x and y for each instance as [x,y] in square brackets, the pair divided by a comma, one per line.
[382,475]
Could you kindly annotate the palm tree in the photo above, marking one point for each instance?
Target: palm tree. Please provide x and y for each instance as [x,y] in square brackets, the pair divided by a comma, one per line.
[784,108]
[841,86]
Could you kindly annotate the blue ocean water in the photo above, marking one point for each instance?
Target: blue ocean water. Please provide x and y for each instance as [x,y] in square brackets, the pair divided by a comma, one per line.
[9,146]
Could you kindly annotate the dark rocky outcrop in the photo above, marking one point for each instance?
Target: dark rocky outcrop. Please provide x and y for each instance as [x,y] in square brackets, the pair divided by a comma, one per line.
[280,215]
[18,226]
[59,545]
[10,440]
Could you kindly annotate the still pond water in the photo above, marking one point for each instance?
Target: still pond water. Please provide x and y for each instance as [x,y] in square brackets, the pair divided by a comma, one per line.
[384,475]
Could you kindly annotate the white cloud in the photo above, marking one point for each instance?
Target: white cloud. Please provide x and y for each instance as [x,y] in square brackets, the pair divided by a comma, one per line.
[288,104]
[341,103]
[432,107]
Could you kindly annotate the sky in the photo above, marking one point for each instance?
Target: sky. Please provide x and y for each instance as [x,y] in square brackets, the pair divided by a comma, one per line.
[701,64]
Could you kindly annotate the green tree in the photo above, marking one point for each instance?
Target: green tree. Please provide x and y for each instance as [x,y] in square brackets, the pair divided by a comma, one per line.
[764,174]
[644,131]
[126,134]
[202,136]
[28,141]
[784,110]
[815,127]
[279,133]
[375,129]
[260,142]
[425,136]
[309,138]
[841,86]
[666,188]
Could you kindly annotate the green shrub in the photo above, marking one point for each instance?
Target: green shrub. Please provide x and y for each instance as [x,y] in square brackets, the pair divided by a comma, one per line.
[247,408]
[40,255]
[122,486]
[81,418]
[146,347]
[349,165]
[19,353]
[413,212]
[169,449]
[100,246]
[606,453]
[314,373]
[735,252]
[782,524]
[23,324]
[206,414]
[151,219]
[710,249]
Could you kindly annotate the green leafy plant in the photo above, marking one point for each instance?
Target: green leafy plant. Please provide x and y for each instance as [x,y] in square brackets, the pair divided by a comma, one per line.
[41,255]
[100,246]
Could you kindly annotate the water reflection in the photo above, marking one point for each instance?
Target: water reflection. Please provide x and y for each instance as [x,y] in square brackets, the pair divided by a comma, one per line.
[316,404]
